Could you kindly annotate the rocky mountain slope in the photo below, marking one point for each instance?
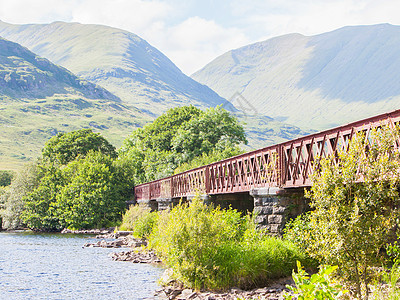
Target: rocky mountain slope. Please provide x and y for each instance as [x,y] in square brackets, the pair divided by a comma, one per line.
[26,75]
[137,73]
[314,81]
[118,60]
[39,99]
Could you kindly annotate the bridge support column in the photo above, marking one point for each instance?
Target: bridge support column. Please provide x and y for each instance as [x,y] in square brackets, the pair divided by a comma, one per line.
[205,198]
[275,206]
[166,203]
[152,204]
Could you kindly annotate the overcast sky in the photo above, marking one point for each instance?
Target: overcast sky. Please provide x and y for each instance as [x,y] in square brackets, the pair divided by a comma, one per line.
[193,32]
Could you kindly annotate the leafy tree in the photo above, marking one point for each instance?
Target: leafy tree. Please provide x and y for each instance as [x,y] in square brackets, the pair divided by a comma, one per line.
[214,129]
[94,195]
[13,197]
[65,147]
[89,192]
[179,136]
[80,183]
[353,220]
[39,211]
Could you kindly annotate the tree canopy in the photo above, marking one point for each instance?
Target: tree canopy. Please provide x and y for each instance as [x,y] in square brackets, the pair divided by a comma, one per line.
[82,182]
[182,135]
[65,147]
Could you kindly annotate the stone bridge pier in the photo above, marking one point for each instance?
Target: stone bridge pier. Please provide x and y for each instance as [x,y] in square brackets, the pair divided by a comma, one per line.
[273,206]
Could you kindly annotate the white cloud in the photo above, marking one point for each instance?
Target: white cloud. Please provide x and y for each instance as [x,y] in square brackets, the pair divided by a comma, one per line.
[38,11]
[271,18]
[196,41]
[192,33]
[136,16]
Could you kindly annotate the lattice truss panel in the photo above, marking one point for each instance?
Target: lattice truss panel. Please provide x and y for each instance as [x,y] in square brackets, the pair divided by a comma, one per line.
[289,164]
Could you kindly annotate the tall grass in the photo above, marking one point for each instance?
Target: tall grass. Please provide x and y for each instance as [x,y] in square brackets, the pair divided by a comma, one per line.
[140,220]
[216,249]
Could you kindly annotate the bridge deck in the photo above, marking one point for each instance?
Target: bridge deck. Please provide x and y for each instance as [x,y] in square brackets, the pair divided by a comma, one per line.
[284,165]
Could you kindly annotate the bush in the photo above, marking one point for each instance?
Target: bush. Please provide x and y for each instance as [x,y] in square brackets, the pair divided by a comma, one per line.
[216,249]
[352,220]
[13,196]
[298,231]
[140,220]
[319,286]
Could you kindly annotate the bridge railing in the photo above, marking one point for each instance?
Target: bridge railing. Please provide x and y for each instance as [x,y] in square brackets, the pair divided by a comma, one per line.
[284,165]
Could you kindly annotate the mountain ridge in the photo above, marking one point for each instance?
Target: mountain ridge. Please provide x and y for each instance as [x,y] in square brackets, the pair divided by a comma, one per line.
[39,99]
[316,81]
[24,74]
[118,60]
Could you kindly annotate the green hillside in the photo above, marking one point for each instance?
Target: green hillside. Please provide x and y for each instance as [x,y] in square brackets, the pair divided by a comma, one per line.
[141,82]
[317,81]
[118,60]
[39,99]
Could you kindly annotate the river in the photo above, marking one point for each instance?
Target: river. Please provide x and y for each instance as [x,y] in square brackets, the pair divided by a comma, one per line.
[55,266]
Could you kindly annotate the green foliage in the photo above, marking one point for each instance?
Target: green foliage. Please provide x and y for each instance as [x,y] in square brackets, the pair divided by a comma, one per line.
[158,135]
[140,220]
[214,129]
[93,195]
[65,147]
[392,290]
[352,220]
[79,184]
[179,136]
[208,158]
[6,177]
[216,249]
[89,192]
[13,197]
[298,231]
[39,210]
[320,286]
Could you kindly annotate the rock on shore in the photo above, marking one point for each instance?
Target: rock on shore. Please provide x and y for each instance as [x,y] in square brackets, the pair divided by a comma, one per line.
[123,241]
[88,231]
[137,256]
[173,289]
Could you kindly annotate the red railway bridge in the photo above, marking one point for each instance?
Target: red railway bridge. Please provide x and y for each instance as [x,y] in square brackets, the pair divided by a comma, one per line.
[268,180]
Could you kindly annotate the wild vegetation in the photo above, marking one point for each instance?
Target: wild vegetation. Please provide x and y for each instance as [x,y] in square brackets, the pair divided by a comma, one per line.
[81,181]
[352,222]
[211,248]
[183,137]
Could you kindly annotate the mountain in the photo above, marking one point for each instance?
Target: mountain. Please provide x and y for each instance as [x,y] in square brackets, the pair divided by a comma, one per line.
[117,60]
[26,75]
[39,99]
[314,81]
[136,72]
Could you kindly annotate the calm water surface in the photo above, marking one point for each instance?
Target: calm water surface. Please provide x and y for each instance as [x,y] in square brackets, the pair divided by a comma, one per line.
[55,266]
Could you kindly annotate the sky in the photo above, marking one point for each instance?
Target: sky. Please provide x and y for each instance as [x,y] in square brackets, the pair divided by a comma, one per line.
[194,32]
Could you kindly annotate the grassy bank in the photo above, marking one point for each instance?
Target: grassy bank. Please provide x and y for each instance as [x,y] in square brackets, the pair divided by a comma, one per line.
[215,249]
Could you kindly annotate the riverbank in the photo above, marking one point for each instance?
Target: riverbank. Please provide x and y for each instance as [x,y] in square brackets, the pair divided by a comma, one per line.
[171,289]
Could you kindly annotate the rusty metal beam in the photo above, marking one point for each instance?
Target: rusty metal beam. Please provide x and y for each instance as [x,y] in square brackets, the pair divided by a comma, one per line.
[245,172]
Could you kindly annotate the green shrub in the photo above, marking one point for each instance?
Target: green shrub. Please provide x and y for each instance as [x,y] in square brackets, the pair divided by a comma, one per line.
[352,220]
[298,231]
[140,220]
[320,286]
[6,177]
[216,249]
[392,291]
